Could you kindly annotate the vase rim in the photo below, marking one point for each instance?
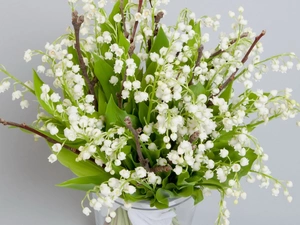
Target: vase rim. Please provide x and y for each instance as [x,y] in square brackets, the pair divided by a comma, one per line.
[145,205]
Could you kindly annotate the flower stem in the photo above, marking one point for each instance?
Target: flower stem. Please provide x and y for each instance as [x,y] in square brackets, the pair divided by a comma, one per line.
[144,162]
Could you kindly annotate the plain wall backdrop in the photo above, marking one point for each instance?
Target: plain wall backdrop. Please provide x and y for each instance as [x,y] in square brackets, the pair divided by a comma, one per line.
[28,195]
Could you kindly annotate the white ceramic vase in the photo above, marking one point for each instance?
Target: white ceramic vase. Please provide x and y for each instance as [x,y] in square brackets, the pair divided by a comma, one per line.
[180,212]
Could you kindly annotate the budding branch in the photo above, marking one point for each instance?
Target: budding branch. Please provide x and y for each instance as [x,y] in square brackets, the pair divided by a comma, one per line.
[132,46]
[243,35]
[77,22]
[34,131]
[200,54]
[232,76]
[144,162]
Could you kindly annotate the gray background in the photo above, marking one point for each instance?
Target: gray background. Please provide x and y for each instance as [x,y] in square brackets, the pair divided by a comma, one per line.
[28,194]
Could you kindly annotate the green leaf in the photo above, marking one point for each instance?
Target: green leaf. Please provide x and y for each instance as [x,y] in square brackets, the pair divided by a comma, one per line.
[181,180]
[81,168]
[137,60]
[162,196]
[143,112]
[186,191]
[251,156]
[197,195]
[38,83]
[170,186]
[151,69]
[226,94]
[212,183]
[73,52]
[196,39]
[223,139]
[101,102]
[104,72]
[160,41]
[165,178]
[116,10]
[115,116]
[129,162]
[198,89]
[123,41]
[85,183]
[136,196]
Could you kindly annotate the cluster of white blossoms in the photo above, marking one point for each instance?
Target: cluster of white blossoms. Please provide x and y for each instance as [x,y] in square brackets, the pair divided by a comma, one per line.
[159,108]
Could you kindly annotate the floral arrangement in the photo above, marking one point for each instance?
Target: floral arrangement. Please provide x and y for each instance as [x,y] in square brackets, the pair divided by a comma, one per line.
[143,111]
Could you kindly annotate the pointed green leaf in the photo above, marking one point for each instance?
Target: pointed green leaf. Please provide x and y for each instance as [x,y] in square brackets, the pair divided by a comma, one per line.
[197,195]
[123,41]
[226,94]
[151,69]
[251,156]
[81,168]
[160,41]
[104,72]
[73,52]
[115,116]
[165,178]
[85,183]
[181,179]
[101,102]
[116,10]
[38,83]
[213,183]
[143,112]
[198,89]
[163,196]
[186,191]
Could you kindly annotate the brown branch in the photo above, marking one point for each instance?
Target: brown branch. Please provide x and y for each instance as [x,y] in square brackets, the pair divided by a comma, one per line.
[232,76]
[243,35]
[32,130]
[157,19]
[132,46]
[194,137]
[126,34]
[144,162]
[77,22]
[200,54]
[159,169]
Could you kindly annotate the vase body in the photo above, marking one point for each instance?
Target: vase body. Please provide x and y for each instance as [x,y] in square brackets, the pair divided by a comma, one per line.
[180,212]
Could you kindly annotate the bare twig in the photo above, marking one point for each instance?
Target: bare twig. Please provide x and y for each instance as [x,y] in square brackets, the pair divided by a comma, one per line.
[200,54]
[231,78]
[243,35]
[77,22]
[126,34]
[144,162]
[157,19]
[34,131]
[194,137]
[158,169]
[132,46]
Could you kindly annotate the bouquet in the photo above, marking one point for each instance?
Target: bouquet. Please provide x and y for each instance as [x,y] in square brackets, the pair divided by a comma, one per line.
[143,111]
